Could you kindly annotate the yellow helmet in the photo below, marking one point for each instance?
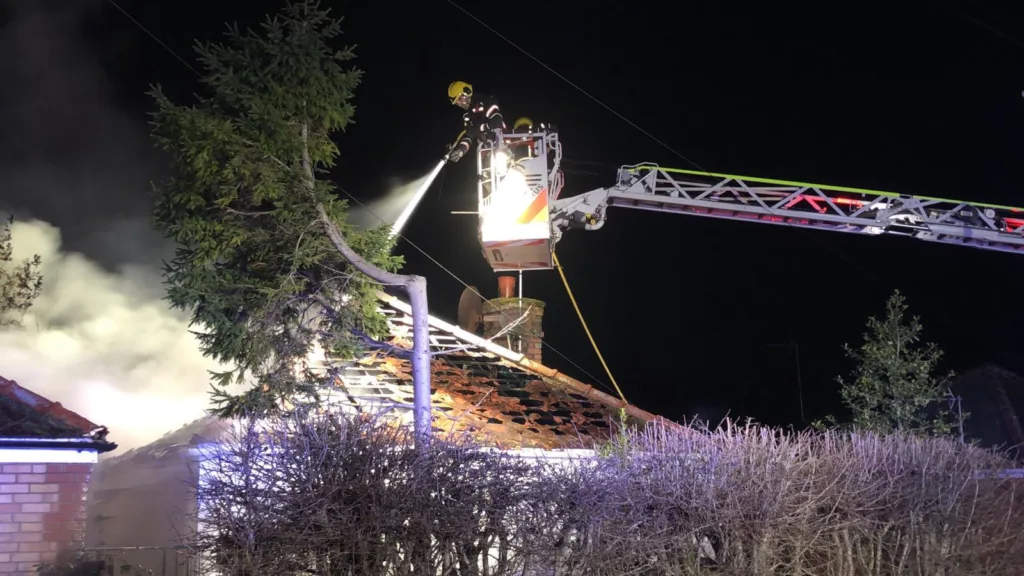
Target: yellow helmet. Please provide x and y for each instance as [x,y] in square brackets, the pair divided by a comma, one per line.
[523,122]
[457,89]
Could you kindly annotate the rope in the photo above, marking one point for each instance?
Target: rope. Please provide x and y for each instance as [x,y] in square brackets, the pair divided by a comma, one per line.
[593,343]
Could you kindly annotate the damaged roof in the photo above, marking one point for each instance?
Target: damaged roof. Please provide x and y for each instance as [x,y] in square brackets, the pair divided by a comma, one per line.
[27,415]
[499,396]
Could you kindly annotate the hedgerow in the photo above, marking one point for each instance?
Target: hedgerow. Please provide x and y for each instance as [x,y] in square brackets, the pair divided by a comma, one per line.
[320,494]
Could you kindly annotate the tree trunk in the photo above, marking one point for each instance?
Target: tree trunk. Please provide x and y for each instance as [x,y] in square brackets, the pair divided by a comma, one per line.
[415,287]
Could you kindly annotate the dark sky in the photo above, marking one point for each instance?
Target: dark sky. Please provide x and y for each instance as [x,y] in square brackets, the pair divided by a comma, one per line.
[924,101]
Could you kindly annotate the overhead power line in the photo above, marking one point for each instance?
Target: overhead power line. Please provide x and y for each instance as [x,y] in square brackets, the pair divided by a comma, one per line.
[978,341]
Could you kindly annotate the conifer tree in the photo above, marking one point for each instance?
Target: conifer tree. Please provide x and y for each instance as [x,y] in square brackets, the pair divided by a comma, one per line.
[894,386]
[247,204]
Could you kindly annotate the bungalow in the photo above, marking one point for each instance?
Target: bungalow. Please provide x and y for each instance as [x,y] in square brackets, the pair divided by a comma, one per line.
[47,454]
[492,386]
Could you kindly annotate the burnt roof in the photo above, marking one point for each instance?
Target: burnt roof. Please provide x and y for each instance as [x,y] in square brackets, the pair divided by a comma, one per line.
[477,387]
[496,395]
[27,415]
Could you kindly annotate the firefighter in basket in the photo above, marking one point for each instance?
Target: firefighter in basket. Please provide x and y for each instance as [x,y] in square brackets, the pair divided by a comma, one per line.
[525,147]
[482,119]
[522,147]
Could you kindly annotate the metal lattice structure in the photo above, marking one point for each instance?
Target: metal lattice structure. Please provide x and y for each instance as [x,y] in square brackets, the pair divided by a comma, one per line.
[803,205]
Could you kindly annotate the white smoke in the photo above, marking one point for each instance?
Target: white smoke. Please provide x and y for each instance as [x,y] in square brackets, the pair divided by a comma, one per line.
[100,340]
[105,344]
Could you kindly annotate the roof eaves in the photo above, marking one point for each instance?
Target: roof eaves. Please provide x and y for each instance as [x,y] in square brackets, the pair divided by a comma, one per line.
[47,408]
[77,444]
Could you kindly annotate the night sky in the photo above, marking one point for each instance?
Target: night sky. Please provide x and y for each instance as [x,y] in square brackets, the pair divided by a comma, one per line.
[687,310]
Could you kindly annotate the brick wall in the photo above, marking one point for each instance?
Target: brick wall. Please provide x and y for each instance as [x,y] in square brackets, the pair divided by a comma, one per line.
[42,513]
[527,337]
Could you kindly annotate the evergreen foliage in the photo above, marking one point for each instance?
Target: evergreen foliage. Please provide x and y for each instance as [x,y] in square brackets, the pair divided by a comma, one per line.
[263,282]
[894,386]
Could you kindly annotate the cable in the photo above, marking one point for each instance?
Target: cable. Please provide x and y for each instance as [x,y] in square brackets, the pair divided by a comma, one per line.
[834,251]
[370,210]
[154,37]
[593,343]
[602,104]
[571,83]
[986,26]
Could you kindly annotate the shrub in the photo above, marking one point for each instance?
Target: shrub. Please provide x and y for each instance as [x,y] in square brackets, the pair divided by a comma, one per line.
[318,494]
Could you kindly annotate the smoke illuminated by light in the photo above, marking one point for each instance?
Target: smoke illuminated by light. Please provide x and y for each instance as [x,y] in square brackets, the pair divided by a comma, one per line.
[105,344]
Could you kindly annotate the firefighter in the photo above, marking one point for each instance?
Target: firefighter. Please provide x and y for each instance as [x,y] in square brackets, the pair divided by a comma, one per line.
[482,118]
[523,124]
[523,147]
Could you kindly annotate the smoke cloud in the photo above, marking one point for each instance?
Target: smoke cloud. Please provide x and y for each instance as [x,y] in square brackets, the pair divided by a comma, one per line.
[105,344]
[75,170]
[68,155]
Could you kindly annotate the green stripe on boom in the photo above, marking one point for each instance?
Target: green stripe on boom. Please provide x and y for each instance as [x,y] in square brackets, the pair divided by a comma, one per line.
[821,186]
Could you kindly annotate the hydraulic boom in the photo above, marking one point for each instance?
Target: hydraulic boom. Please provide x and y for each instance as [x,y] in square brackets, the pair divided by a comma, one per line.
[522,214]
[813,206]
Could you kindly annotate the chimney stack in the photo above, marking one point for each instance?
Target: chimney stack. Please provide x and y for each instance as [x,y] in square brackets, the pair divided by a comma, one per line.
[519,321]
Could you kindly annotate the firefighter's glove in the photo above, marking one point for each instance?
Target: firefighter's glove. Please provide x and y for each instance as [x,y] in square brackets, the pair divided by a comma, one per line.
[456,155]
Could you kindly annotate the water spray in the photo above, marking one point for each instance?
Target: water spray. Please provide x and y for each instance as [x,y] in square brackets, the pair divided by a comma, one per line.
[396,228]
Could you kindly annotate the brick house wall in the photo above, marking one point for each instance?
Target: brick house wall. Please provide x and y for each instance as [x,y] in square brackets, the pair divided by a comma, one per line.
[42,513]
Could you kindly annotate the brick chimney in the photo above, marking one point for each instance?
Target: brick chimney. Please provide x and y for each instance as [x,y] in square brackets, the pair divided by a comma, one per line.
[520,318]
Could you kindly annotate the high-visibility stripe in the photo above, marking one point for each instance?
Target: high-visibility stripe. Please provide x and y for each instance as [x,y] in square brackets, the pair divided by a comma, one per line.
[535,208]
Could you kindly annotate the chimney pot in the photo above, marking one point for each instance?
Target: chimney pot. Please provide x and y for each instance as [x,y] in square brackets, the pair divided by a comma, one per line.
[506,286]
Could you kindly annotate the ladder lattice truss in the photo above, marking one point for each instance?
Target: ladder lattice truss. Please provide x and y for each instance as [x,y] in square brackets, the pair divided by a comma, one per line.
[814,206]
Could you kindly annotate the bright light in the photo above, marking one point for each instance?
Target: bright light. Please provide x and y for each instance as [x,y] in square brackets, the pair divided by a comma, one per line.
[510,199]
[513,187]
[500,162]
[396,228]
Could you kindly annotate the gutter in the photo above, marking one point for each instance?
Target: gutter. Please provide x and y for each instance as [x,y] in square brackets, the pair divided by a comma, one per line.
[77,444]
[528,365]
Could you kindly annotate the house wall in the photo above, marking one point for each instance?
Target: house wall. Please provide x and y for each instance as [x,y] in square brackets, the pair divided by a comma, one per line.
[42,512]
[141,511]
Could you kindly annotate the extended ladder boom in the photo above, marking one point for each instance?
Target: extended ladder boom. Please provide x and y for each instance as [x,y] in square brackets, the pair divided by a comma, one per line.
[814,206]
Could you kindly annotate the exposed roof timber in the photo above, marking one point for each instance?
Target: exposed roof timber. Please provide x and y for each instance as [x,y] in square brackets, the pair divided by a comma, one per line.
[522,362]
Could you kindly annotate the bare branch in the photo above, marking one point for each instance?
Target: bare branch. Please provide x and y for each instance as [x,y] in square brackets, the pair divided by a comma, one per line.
[321,494]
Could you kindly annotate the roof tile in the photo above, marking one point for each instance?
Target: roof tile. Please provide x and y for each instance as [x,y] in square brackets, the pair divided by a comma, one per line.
[52,419]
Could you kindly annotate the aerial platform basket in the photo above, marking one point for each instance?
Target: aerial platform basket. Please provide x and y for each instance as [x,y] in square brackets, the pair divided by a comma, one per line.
[517,183]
